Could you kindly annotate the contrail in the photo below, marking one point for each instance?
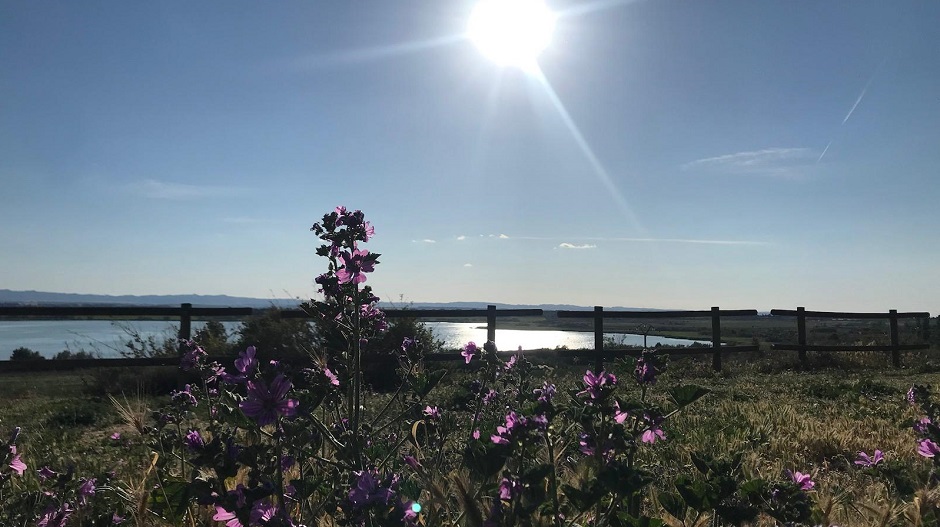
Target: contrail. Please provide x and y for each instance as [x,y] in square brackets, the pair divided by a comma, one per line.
[854,106]
[861,95]
[824,151]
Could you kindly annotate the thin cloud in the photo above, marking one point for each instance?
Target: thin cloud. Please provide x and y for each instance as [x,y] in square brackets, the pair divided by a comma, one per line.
[461,238]
[570,245]
[503,237]
[155,189]
[768,160]
[468,265]
[426,240]
[567,245]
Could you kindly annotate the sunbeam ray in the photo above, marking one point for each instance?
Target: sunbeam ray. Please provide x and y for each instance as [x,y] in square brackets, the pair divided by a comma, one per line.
[582,143]
[380,52]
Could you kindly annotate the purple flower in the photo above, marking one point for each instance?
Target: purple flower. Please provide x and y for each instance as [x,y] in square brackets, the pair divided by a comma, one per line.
[912,394]
[865,460]
[116,436]
[650,435]
[193,356]
[85,490]
[261,511]
[545,393]
[53,517]
[619,415]
[222,515]
[16,464]
[469,351]
[369,491]
[802,481]
[46,473]
[511,362]
[928,448]
[184,397]
[432,412]
[355,265]
[645,371]
[334,380]
[194,441]
[597,385]
[412,462]
[264,404]
[246,363]
[922,426]
[508,488]
[116,519]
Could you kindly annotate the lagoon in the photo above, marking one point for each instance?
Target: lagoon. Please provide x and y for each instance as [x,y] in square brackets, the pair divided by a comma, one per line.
[106,338]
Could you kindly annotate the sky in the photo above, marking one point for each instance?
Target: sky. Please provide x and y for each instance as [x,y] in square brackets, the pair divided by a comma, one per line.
[662,154]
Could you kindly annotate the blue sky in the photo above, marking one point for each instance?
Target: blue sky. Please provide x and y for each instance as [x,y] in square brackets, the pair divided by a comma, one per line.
[671,154]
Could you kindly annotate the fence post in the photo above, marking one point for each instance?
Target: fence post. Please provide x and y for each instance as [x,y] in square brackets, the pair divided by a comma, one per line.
[801,333]
[716,339]
[491,324]
[895,340]
[185,327]
[598,339]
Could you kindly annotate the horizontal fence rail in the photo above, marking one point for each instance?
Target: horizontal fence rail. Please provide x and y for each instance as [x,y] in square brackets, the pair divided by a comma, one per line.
[186,313]
[892,316]
[715,314]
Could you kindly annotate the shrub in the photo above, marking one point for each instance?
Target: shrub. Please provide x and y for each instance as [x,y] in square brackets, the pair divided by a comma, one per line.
[25,354]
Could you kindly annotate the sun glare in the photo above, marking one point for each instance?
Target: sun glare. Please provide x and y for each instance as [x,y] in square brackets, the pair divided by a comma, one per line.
[512,33]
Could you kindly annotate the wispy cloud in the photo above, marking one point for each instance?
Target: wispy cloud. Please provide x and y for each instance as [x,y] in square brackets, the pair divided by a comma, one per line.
[461,237]
[588,241]
[766,161]
[468,265]
[426,240]
[567,245]
[503,237]
[155,189]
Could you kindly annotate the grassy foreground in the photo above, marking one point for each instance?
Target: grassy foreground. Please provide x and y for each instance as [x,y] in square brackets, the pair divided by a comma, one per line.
[778,417]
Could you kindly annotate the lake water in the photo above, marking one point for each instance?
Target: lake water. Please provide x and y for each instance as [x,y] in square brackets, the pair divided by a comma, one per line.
[49,337]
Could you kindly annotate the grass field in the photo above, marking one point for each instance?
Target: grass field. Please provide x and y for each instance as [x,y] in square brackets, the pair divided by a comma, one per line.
[778,417]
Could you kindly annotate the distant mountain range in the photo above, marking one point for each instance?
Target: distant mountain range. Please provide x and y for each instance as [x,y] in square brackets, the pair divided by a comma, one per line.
[42,298]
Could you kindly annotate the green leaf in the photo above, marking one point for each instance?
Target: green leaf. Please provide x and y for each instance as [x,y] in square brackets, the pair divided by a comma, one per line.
[487,459]
[170,500]
[673,504]
[423,383]
[702,462]
[687,394]
[581,500]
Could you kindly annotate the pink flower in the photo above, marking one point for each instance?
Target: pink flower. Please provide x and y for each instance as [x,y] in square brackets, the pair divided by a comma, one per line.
[334,380]
[264,404]
[928,448]
[597,385]
[652,434]
[16,463]
[355,264]
[222,515]
[116,436]
[802,481]
[865,460]
[469,351]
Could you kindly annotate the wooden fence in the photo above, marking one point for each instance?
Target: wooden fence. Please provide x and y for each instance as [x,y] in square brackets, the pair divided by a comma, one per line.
[715,314]
[186,313]
[892,316]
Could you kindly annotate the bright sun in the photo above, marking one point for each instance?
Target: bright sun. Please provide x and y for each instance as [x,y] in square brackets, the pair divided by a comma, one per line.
[512,32]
